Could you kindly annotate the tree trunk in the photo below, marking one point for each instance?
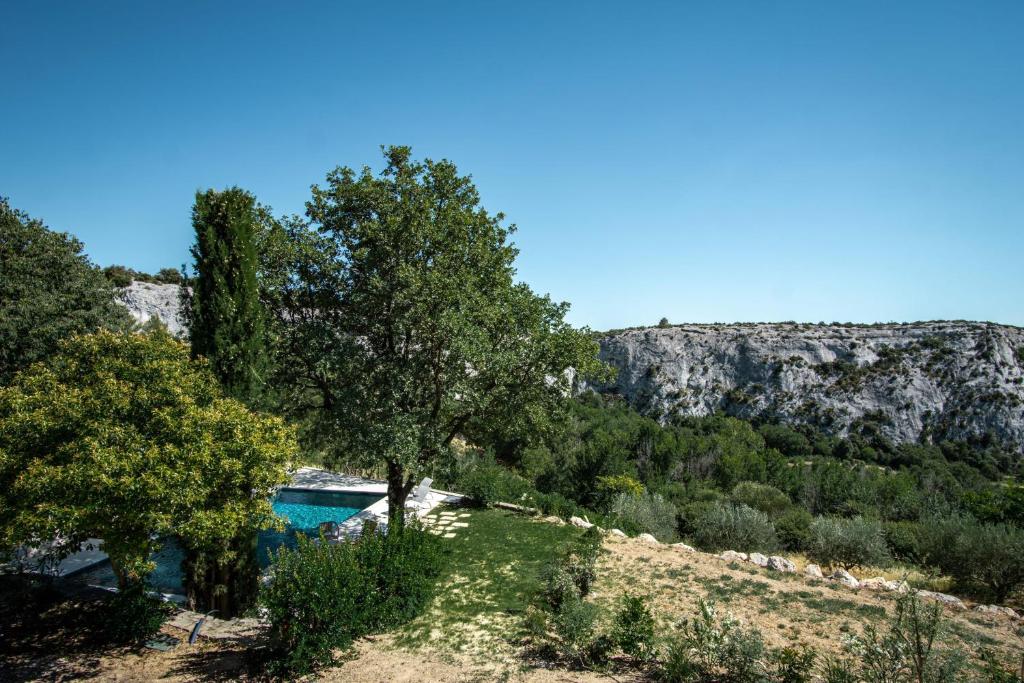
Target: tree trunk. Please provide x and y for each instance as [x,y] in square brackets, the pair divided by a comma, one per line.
[397,494]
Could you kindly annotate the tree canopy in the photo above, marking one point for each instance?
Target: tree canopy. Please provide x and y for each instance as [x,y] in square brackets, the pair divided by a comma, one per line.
[49,290]
[402,323]
[226,319]
[123,437]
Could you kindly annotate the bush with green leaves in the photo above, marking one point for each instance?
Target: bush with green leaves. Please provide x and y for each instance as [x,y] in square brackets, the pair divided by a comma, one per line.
[983,558]
[763,497]
[644,513]
[793,527]
[847,543]
[484,482]
[324,595]
[633,628]
[724,526]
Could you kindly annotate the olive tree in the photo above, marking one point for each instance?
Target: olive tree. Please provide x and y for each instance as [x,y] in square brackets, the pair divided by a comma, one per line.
[401,322]
[123,437]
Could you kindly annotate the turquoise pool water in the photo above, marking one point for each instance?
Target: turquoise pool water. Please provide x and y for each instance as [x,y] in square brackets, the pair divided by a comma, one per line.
[302,511]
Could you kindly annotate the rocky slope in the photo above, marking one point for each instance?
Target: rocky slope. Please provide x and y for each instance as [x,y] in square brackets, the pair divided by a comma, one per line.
[145,300]
[933,380]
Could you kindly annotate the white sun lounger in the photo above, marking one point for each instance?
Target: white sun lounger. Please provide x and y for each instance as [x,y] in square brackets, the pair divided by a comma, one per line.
[418,500]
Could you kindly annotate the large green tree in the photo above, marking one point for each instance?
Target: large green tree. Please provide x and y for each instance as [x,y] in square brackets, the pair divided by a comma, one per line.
[401,321]
[123,437]
[49,290]
[226,319]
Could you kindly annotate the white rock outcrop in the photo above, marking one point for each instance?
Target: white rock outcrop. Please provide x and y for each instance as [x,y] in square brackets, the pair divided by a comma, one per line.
[684,547]
[648,538]
[146,300]
[947,600]
[813,571]
[909,379]
[617,532]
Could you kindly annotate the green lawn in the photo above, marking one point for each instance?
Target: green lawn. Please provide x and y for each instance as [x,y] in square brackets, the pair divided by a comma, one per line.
[490,578]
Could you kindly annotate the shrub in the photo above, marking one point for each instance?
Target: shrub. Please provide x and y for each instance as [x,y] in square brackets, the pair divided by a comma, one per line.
[649,513]
[134,616]
[792,665]
[847,543]
[573,623]
[556,504]
[793,528]
[713,649]
[324,595]
[485,482]
[611,485]
[633,629]
[734,527]
[912,648]
[904,541]
[763,497]
[989,557]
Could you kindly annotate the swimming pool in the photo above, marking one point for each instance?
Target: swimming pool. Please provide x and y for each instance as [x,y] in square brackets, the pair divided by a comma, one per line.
[302,510]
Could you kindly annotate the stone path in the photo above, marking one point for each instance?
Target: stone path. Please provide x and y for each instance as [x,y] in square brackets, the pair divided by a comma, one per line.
[447,523]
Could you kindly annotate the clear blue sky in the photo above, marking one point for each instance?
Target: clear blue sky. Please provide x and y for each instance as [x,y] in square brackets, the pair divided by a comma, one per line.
[713,161]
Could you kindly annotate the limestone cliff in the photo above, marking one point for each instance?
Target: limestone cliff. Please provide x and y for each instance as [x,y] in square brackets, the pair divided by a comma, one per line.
[146,300]
[931,381]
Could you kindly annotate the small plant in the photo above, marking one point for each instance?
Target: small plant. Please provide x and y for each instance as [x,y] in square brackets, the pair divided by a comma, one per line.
[792,665]
[573,624]
[633,629]
[712,649]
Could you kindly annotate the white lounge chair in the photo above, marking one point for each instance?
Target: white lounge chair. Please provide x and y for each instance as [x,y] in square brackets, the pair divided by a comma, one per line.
[418,500]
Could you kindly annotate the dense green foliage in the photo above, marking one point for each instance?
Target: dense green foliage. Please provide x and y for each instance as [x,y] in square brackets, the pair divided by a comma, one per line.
[225,314]
[400,323]
[123,437]
[325,595]
[122,276]
[845,502]
[49,290]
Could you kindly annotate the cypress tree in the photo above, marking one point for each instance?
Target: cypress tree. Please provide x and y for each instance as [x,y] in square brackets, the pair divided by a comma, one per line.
[227,324]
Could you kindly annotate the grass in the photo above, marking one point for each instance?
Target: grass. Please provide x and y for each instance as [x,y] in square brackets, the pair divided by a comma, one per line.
[491,576]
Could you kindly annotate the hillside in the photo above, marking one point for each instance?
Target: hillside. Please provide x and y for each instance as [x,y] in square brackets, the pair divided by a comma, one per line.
[931,381]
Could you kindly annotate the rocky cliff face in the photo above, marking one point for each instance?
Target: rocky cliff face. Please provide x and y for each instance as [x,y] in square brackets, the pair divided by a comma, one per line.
[935,380]
[145,300]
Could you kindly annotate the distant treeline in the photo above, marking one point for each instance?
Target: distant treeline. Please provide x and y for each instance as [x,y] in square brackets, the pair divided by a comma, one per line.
[122,276]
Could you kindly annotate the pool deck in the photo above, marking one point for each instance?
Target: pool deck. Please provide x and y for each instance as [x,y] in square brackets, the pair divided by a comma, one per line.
[305,478]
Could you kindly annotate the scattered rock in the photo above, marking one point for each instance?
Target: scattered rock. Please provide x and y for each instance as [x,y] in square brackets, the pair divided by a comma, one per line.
[947,600]
[876,583]
[844,577]
[997,609]
[733,556]
[781,564]
[813,571]
[581,523]
[617,532]
[552,519]
[758,559]
[684,547]
[647,538]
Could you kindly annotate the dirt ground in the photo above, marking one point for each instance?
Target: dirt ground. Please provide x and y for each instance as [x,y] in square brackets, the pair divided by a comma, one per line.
[785,609]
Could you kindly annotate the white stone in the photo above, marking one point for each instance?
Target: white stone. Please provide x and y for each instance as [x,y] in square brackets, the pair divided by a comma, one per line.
[581,523]
[997,609]
[813,571]
[844,577]
[450,534]
[617,532]
[684,547]
[459,525]
[647,538]
[781,564]
[758,559]
[733,556]
[552,519]
[947,600]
